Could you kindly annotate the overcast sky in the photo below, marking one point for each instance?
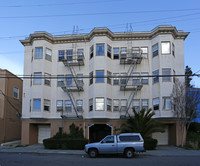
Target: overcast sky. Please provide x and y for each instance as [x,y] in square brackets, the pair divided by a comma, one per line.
[19,18]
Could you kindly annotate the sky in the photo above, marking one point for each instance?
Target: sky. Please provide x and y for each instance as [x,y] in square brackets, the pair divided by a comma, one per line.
[20,18]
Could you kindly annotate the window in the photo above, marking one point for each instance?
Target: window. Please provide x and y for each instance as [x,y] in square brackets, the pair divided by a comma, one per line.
[90,104]
[115,53]
[61,55]
[108,139]
[174,76]
[167,103]
[47,79]
[80,52]
[37,78]
[165,47]
[109,53]
[116,105]
[136,80]
[173,49]
[99,104]
[69,55]
[156,104]
[16,93]
[145,104]
[36,104]
[115,79]
[123,53]
[99,49]
[100,76]
[129,138]
[144,52]
[68,80]
[80,79]
[38,53]
[156,76]
[136,51]
[145,79]
[60,80]
[123,79]
[123,105]
[136,105]
[59,105]
[109,104]
[46,105]
[79,104]
[91,77]
[167,73]
[48,54]
[109,77]
[68,105]
[155,50]
[91,51]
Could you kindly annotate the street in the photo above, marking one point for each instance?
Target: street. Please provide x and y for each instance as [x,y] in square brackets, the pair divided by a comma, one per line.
[34,159]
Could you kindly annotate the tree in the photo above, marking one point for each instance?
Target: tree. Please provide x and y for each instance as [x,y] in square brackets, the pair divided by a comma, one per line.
[178,102]
[188,77]
[143,123]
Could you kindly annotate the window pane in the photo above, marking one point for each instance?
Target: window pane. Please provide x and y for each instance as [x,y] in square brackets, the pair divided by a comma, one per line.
[47,80]
[136,104]
[145,80]
[156,78]
[38,53]
[90,104]
[166,72]
[69,80]
[109,51]
[156,104]
[109,104]
[136,80]
[91,51]
[167,103]
[48,54]
[145,104]
[16,93]
[165,47]
[99,104]
[60,80]
[115,53]
[59,105]
[36,104]
[109,77]
[68,105]
[37,79]
[116,105]
[91,77]
[115,79]
[61,55]
[155,50]
[100,49]
[100,76]
[69,55]
[46,105]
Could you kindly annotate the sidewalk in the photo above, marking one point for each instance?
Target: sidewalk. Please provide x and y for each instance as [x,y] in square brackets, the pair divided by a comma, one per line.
[160,151]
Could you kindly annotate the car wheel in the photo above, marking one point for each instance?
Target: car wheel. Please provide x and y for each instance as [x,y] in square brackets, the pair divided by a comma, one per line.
[93,153]
[129,153]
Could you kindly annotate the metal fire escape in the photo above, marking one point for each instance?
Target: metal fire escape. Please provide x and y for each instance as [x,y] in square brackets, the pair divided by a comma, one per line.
[132,56]
[72,81]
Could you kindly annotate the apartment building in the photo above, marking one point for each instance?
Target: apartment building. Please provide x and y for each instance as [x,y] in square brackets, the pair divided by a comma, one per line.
[10,106]
[94,80]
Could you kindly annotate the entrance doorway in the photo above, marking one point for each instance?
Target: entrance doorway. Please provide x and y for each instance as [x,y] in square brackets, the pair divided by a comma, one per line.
[98,131]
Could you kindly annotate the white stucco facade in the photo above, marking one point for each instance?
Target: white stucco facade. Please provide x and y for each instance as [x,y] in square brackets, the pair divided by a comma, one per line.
[169,59]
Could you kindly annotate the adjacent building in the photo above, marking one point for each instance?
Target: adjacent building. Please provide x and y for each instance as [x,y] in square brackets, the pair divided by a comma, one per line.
[10,106]
[94,80]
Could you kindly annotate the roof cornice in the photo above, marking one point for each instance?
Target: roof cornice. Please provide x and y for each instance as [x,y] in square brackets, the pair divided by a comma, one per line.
[105,32]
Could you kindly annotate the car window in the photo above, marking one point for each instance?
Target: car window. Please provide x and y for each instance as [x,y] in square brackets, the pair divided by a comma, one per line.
[109,139]
[129,138]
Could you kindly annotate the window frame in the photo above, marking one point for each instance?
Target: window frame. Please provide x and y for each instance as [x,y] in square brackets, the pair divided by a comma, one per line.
[38,99]
[98,78]
[37,79]
[136,106]
[123,106]
[98,53]
[47,79]
[61,58]
[155,105]
[60,78]
[165,103]
[91,78]
[15,92]
[109,51]
[78,106]
[91,51]
[69,107]
[143,106]
[36,53]
[162,48]
[143,79]
[109,79]
[59,108]
[69,57]
[166,79]
[47,55]
[115,78]
[97,103]
[109,104]
[155,52]
[116,56]
[173,49]
[156,76]
[116,107]
[91,105]
[144,55]
[47,105]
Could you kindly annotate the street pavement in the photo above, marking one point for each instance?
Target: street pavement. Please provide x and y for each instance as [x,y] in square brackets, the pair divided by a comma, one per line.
[160,151]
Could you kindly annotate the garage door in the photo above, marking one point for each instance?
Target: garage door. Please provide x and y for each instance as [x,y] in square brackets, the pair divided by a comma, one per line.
[44,131]
[163,138]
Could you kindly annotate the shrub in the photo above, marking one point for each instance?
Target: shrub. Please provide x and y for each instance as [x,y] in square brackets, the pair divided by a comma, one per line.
[194,127]
[150,143]
[67,143]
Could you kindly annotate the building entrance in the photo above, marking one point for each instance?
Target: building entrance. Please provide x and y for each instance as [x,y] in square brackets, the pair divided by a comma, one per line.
[98,131]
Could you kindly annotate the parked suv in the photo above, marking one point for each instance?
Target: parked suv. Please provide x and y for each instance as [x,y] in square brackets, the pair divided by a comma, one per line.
[127,144]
